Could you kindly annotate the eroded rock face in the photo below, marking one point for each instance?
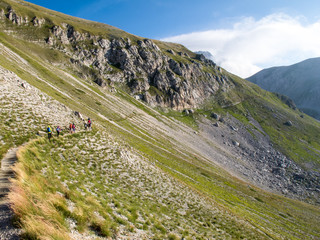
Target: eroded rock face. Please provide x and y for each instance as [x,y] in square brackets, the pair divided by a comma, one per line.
[15,19]
[38,22]
[2,14]
[143,65]
[161,77]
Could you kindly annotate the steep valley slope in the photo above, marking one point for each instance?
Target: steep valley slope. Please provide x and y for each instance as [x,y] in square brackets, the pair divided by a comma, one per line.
[226,167]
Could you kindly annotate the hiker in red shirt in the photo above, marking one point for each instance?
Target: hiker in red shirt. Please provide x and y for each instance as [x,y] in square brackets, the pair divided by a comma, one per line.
[89,124]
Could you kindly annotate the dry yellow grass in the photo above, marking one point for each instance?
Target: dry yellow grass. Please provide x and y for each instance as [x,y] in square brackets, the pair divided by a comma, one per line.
[36,212]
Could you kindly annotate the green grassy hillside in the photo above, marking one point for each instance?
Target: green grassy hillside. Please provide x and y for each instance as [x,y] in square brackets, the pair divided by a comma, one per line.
[140,173]
[300,142]
[114,194]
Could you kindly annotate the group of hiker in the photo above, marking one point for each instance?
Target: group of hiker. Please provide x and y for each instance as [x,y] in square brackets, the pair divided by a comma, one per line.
[72,128]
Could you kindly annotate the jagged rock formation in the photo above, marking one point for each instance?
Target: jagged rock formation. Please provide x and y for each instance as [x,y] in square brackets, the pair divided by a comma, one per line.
[207,54]
[160,77]
[157,78]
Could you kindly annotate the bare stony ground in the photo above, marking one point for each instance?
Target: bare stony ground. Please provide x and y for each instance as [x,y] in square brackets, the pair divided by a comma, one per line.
[253,157]
[26,111]
[26,104]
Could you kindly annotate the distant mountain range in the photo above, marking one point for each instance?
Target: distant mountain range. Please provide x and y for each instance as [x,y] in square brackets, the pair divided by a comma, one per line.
[300,81]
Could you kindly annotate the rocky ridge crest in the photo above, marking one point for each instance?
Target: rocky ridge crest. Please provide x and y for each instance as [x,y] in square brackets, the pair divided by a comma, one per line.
[161,77]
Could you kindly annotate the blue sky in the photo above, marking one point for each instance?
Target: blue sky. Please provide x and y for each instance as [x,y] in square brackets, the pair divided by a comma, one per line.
[162,18]
[184,21]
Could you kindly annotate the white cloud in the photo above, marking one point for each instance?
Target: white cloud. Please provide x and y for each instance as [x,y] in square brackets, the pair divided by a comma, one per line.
[251,45]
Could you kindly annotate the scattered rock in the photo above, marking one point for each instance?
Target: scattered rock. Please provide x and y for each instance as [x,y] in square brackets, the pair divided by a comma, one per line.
[299,176]
[234,128]
[200,57]
[38,22]
[235,143]
[171,51]
[24,85]
[288,123]
[79,115]
[215,116]
[138,97]
[279,171]
[186,111]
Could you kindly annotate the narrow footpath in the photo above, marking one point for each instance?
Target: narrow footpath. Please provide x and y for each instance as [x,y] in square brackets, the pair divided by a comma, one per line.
[7,230]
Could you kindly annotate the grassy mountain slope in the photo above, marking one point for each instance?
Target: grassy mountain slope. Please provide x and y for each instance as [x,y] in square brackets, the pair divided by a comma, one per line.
[117,194]
[143,171]
[299,142]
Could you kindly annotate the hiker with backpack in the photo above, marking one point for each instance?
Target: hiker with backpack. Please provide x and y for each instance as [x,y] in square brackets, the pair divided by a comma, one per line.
[89,123]
[70,127]
[73,127]
[58,129]
[49,130]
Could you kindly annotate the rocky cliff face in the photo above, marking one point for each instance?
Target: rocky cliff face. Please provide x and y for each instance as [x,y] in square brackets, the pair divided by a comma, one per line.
[161,77]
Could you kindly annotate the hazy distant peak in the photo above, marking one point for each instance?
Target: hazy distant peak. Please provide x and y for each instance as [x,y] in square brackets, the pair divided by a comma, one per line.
[300,82]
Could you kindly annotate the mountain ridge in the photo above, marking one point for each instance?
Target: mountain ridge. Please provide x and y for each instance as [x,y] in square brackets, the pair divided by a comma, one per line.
[299,81]
[129,61]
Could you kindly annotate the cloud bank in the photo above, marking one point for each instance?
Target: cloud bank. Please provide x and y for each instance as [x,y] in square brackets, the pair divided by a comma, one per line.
[251,45]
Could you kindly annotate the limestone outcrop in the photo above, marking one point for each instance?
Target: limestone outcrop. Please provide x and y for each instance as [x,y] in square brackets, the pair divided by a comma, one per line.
[161,77]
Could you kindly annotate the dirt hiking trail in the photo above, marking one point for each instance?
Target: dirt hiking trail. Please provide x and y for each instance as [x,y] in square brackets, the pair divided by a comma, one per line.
[7,230]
